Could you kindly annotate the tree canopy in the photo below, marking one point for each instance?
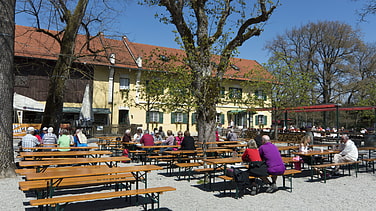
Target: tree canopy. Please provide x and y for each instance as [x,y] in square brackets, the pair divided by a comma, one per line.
[208,27]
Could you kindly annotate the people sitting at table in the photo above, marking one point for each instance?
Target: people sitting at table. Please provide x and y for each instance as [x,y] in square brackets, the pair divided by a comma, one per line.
[304,147]
[44,131]
[37,134]
[178,139]
[49,139]
[126,138]
[29,140]
[138,135]
[252,154]
[258,139]
[161,132]
[349,153]
[188,142]
[80,139]
[169,141]
[270,154]
[64,140]
[157,137]
[232,136]
[147,140]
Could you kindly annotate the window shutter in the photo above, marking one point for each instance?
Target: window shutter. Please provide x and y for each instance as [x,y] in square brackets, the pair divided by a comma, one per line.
[256,120]
[160,117]
[222,119]
[265,97]
[173,117]
[265,120]
[185,118]
[147,117]
[194,118]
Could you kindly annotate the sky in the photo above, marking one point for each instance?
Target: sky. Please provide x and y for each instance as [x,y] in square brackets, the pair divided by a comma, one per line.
[139,24]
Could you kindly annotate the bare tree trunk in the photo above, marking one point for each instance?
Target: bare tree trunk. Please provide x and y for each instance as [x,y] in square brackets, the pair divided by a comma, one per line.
[7,27]
[54,105]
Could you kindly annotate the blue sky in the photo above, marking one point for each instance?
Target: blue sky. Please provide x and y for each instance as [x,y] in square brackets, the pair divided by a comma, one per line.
[139,25]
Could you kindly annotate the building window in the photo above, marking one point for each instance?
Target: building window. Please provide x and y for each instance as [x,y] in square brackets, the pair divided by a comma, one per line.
[220,118]
[124,117]
[235,92]
[194,118]
[178,117]
[222,91]
[124,83]
[260,95]
[261,120]
[154,117]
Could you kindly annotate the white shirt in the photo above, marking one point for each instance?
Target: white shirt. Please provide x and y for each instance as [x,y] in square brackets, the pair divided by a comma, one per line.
[29,141]
[350,150]
[137,137]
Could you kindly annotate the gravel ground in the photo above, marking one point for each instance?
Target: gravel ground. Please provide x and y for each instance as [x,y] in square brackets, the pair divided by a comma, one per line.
[341,193]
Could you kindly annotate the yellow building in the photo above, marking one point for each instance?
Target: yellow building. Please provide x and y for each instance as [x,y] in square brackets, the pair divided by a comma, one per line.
[117,72]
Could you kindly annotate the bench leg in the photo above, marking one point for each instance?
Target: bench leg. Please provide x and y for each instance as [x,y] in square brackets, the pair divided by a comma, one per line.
[154,198]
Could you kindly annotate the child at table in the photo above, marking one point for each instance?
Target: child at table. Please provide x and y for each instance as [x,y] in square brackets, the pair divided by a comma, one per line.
[304,147]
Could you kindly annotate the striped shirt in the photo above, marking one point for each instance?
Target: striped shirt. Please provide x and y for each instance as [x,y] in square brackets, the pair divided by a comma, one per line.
[49,138]
[29,141]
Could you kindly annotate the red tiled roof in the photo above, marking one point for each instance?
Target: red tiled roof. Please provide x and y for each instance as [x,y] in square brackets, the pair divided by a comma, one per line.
[30,43]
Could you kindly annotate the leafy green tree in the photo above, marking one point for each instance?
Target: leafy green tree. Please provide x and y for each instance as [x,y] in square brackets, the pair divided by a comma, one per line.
[62,21]
[212,27]
[321,53]
[150,93]
[7,27]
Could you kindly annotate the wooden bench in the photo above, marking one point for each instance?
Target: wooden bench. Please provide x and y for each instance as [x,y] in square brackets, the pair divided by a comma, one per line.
[136,155]
[323,168]
[151,193]
[79,182]
[158,158]
[208,171]
[370,161]
[187,168]
[25,171]
[289,173]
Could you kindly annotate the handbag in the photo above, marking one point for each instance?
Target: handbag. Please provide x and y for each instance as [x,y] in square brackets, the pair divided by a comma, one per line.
[258,169]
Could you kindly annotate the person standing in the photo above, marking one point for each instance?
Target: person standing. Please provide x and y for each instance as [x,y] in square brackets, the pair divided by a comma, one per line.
[29,140]
[270,154]
[348,154]
[64,140]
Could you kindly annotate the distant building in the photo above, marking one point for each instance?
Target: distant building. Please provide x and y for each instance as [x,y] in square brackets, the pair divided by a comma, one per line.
[113,74]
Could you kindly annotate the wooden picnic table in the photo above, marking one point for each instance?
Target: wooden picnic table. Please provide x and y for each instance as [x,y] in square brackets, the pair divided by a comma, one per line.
[159,146]
[57,148]
[220,142]
[63,154]
[221,162]
[234,145]
[370,149]
[139,172]
[72,161]
[314,153]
